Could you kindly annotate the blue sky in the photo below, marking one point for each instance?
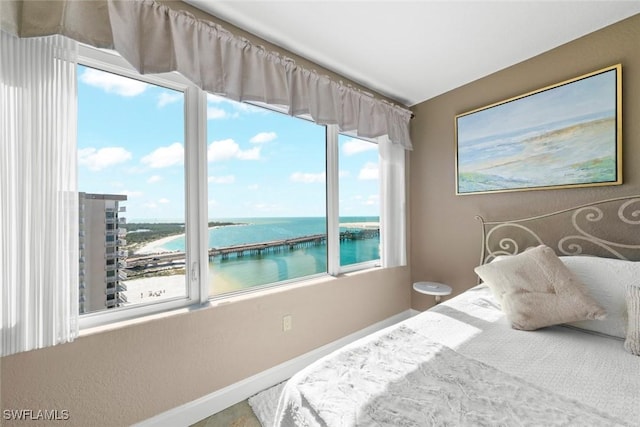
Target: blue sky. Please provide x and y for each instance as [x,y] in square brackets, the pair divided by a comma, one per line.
[260,163]
[582,97]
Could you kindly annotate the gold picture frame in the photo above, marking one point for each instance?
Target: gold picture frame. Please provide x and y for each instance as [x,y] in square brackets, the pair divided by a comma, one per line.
[562,136]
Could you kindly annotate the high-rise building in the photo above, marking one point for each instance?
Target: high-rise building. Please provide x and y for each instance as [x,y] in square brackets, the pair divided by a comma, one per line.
[102,253]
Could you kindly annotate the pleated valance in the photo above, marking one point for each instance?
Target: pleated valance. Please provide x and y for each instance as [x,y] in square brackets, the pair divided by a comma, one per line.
[155,38]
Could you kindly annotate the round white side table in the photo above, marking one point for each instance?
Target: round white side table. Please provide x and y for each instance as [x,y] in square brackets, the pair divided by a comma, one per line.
[432,288]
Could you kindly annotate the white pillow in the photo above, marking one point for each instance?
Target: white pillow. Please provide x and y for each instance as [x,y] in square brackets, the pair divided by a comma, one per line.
[606,280]
[535,289]
[632,343]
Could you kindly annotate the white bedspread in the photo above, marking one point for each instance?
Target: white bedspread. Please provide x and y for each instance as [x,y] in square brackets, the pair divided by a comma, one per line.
[461,364]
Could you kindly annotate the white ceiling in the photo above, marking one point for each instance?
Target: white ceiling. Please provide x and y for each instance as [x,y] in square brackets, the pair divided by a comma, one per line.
[412,51]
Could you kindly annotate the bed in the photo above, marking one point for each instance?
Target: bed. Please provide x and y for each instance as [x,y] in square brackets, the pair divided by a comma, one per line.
[470,361]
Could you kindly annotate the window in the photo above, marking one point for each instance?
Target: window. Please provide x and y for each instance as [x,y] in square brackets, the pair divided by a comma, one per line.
[187,196]
[130,161]
[359,202]
[132,174]
[267,196]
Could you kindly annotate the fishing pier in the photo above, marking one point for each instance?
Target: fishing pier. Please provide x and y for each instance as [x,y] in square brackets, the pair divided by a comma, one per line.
[173,259]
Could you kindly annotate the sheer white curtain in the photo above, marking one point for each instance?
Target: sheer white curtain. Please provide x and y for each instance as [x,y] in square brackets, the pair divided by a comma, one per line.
[38,194]
[393,237]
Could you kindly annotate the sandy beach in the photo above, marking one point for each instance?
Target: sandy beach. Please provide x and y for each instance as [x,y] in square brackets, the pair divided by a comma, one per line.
[155,246]
[154,289]
[361,225]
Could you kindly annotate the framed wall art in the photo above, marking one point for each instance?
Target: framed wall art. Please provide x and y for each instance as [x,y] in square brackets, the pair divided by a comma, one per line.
[562,136]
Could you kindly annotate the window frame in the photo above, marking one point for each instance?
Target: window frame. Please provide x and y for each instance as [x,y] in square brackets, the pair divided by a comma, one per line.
[335,200]
[196,196]
[111,62]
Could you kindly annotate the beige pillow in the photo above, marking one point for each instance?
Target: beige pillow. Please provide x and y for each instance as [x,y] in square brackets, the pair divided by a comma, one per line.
[536,290]
[632,342]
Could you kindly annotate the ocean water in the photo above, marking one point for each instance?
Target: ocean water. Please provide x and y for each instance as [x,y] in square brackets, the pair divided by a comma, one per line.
[237,273]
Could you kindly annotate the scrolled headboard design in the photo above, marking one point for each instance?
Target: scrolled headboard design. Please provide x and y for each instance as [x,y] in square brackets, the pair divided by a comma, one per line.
[607,228]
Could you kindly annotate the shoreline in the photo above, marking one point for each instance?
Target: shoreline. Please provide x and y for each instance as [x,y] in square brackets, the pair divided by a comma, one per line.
[155,246]
[367,225]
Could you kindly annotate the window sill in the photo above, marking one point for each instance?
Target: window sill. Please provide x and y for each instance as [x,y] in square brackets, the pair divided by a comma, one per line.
[223,300]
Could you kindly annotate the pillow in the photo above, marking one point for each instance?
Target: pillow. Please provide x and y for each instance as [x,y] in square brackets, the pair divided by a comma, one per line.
[535,290]
[632,341]
[606,280]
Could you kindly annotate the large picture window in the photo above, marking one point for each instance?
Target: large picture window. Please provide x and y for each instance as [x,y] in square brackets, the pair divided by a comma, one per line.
[186,196]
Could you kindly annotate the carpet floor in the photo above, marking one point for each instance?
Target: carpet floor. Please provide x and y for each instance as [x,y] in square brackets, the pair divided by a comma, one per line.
[238,415]
[257,411]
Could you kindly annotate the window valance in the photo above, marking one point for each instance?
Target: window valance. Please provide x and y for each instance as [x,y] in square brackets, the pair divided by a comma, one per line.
[155,38]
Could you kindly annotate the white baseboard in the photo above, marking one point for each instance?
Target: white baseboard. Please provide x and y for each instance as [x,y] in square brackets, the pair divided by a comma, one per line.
[201,408]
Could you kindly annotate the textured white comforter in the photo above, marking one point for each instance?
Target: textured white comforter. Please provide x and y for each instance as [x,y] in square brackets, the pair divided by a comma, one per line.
[461,364]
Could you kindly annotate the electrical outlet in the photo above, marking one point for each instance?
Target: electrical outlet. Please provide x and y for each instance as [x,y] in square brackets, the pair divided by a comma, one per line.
[287,323]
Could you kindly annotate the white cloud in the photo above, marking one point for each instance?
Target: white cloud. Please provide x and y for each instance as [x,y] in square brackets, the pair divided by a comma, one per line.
[225,179]
[252,154]
[307,178]
[166,98]
[223,149]
[253,187]
[163,157]
[153,179]
[163,201]
[215,113]
[355,146]
[103,158]
[263,137]
[368,172]
[113,83]
[226,149]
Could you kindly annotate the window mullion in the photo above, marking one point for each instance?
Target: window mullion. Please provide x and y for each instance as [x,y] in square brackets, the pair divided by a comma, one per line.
[196,194]
[203,208]
[333,219]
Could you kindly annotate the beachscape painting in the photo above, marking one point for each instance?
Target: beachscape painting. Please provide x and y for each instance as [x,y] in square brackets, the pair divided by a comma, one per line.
[565,135]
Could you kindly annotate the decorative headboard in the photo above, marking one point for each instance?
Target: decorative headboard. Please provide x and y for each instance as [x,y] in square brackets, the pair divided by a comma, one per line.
[607,228]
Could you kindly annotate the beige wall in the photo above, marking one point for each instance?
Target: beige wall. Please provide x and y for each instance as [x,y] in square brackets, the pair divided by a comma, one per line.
[129,374]
[445,238]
